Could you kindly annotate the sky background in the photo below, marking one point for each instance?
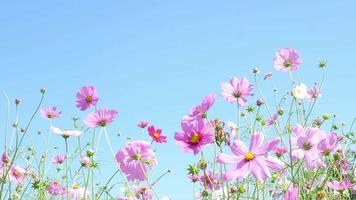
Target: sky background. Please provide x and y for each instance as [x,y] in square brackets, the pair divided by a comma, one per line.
[154,60]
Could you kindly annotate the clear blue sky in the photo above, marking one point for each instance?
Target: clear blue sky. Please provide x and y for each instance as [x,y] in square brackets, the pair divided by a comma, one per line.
[154,60]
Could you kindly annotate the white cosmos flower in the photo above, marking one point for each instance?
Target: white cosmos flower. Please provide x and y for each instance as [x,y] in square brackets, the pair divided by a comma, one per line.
[300,92]
[66,133]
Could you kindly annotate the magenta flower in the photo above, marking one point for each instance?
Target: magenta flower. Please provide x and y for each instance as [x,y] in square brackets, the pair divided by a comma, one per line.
[287,60]
[340,186]
[17,174]
[87,97]
[59,159]
[328,144]
[292,194]
[50,113]
[313,94]
[142,124]
[253,160]
[210,181]
[101,118]
[201,110]
[84,160]
[195,136]
[56,189]
[156,135]
[237,91]
[66,133]
[135,160]
[5,157]
[279,152]
[304,146]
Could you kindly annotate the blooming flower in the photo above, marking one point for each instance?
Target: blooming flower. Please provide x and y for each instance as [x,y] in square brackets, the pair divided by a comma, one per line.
[142,192]
[142,124]
[340,186]
[237,91]
[292,194]
[279,152]
[56,189]
[194,136]
[86,97]
[313,93]
[66,133]
[300,92]
[272,120]
[156,134]
[328,144]
[304,145]
[201,110]
[59,159]
[50,113]
[102,118]
[78,193]
[84,160]
[287,60]
[17,174]
[210,181]
[135,160]
[253,160]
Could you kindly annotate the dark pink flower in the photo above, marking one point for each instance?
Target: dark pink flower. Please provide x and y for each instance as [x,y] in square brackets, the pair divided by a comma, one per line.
[287,60]
[135,160]
[156,135]
[56,189]
[237,91]
[340,186]
[50,113]
[279,152]
[87,97]
[253,160]
[59,159]
[100,118]
[201,110]
[292,194]
[142,124]
[195,136]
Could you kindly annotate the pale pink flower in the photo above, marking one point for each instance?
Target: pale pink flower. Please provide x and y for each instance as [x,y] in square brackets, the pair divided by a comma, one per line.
[253,160]
[84,160]
[59,159]
[287,60]
[340,186]
[78,193]
[210,181]
[304,145]
[292,194]
[272,120]
[135,160]
[17,174]
[156,135]
[201,110]
[87,97]
[313,93]
[237,91]
[142,192]
[66,133]
[5,157]
[100,118]
[328,144]
[50,113]
[142,124]
[195,136]
[56,189]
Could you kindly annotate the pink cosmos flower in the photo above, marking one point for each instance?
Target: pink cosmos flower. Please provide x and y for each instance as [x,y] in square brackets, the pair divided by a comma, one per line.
[292,194]
[313,94]
[201,110]
[50,113]
[156,135]
[66,133]
[237,91]
[84,160]
[17,174]
[86,97]
[142,124]
[340,186]
[253,160]
[304,146]
[279,152]
[142,192]
[210,181]
[328,144]
[272,120]
[135,160]
[59,159]
[287,60]
[78,193]
[195,136]
[194,178]
[56,189]
[101,118]
[5,157]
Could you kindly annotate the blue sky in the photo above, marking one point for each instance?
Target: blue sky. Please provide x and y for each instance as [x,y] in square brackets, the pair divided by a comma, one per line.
[154,60]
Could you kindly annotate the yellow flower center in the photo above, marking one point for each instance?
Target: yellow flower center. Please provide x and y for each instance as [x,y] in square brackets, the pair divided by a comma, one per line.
[249,156]
[16,173]
[156,135]
[88,99]
[195,138]
[75,186]
[137,156]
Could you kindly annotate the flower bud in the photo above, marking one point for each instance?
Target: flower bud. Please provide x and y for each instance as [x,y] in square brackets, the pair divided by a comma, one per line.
[259,102]
[43,90]
[17,101]
[326,116]
[256,70]
[323,64]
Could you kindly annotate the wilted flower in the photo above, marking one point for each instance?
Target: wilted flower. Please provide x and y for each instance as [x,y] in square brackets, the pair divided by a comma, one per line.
[87,97]
[287,60]
[59,159]
[135,160]
[50,113]
[156,135]
[237,91]
[100,118]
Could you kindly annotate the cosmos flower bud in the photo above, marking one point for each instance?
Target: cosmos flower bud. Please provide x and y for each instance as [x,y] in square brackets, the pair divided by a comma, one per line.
[17,101]
[43,90]
[90,153]
[326,116]
[233,189]
[256,70]
[202,164]
[204,193]
[242,189]
[280,111]
[260,102]
[323,64]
